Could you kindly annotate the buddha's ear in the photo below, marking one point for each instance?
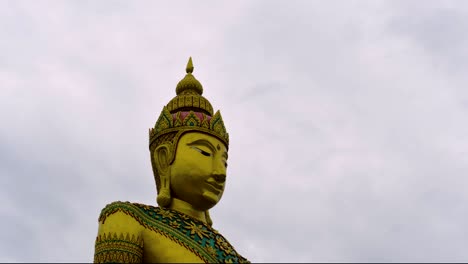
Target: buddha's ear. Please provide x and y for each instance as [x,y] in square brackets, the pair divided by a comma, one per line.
[161,158]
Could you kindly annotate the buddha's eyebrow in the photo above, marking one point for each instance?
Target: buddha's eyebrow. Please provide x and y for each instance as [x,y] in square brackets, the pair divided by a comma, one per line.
[203,142]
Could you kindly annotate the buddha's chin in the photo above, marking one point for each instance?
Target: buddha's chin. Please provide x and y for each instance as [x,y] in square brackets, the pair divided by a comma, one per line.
[210,199]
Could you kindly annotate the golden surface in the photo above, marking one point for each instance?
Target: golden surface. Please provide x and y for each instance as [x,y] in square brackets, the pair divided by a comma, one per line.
[198,173]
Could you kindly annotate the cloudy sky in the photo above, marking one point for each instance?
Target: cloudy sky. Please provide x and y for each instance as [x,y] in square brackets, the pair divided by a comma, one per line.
[347,119]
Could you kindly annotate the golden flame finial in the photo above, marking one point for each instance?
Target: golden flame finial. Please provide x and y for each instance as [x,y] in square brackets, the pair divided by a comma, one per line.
[189,83]
[189,68]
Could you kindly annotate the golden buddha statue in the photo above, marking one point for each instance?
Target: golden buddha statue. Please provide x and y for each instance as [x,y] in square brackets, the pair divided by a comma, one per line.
[188,147]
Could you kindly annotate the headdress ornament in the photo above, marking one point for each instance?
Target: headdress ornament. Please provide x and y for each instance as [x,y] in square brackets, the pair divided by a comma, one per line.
[189,111]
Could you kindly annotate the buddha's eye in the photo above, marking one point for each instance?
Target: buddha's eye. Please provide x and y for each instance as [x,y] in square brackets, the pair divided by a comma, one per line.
[201,151]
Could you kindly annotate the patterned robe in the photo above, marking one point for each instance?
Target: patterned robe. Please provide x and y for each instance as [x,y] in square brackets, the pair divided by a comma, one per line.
[134,231]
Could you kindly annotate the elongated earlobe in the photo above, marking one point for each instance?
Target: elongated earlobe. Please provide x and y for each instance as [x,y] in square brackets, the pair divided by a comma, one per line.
[161,157]
[208,218]
[164,196]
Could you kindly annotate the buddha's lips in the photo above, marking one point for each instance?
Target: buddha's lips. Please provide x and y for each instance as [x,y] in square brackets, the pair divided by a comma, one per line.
[216,186]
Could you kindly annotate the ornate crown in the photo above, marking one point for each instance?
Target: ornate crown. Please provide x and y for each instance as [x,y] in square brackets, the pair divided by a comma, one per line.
[189,111]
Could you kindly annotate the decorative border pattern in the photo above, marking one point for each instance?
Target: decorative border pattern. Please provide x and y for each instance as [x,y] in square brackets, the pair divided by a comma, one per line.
[189,101]
[189,120]
[118,249]
[190,233]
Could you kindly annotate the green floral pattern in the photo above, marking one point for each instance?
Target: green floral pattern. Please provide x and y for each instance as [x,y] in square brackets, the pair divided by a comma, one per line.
[194,235]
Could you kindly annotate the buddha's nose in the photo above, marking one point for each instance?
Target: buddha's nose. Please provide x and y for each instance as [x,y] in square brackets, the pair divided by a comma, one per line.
[219,172]
[219,177]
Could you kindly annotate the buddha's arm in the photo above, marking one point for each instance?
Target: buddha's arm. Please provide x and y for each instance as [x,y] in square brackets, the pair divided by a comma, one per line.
[119,240]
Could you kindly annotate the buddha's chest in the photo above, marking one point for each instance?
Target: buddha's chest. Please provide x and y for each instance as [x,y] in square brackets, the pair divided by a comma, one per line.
[186,243]
[159,248]
[169,236]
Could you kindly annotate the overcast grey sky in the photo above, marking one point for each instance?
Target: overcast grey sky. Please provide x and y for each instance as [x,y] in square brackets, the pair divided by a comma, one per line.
[347,120]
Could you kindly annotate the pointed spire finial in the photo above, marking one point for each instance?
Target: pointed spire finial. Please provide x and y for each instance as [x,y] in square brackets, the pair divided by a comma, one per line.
[189,68]
[189,82]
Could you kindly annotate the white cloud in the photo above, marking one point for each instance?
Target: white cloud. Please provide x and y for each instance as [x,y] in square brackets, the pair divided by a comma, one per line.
[346,123]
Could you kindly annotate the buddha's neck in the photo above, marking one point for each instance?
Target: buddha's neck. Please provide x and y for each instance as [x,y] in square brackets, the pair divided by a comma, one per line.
[188,209]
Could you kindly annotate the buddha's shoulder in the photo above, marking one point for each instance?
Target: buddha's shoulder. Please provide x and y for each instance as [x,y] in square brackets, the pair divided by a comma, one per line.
[130,209]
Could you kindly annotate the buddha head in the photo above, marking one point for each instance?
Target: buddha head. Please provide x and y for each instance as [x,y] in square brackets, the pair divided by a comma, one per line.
[188,147]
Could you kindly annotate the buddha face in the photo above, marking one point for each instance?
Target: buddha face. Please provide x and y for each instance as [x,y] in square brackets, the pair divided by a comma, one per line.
[198,173]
